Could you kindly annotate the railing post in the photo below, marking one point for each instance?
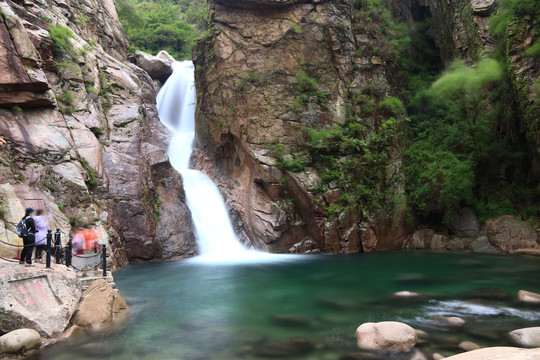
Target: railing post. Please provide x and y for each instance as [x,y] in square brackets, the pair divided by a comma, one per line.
[48,256]
[69,254]
[57,245]
[104,254]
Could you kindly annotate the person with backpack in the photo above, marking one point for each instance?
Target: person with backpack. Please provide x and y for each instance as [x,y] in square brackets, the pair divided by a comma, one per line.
[26,229]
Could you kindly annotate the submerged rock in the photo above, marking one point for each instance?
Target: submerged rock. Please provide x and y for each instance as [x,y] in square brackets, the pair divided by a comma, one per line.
[386,335]
[450,321]
[485,293]
[285,347]
[468,346]
[292,319]
[18,341]
[526,337]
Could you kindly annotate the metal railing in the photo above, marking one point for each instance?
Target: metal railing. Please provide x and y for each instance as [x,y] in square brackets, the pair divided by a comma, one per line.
[67,251]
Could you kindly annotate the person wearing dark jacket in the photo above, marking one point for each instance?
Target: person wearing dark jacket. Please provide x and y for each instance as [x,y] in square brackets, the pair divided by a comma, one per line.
[29,238]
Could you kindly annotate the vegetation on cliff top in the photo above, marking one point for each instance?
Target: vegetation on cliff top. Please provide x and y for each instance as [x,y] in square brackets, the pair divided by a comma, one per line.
[170,25]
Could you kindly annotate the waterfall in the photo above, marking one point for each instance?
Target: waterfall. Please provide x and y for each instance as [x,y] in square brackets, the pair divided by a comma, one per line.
[176,103]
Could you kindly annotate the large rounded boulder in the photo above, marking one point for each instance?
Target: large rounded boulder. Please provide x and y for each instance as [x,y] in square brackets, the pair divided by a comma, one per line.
[386,335]
[17,341]
[526,337]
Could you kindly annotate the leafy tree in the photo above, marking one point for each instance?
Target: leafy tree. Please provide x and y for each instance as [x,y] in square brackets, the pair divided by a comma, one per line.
[170,25]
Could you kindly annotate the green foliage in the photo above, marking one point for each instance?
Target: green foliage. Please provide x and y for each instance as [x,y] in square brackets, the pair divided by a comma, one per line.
[75,221]
[305,83]
[92,174]
[3,212]
[513,10]
[61,207]
[60,36]
[66,98]
[287,162]
[534,50]
[17,109]
[392,106]
[296,28]
[170,25]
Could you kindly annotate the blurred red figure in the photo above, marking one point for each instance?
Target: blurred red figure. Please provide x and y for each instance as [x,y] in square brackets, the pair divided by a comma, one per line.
[90,239]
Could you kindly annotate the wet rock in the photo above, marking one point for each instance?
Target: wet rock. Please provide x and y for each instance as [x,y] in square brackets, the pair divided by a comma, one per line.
[362,356]
[468,346]
[447,342]
[526,337]
[406,294]
[371,355]
[386,335]
[528,297]
[421,334]
[498,353]
[285,347]
[464,223]
[18,341]
[485,334]
[483,246]
[292,319]
[156,67]
[101,306]
[449,321]
[507,233]
[421,239]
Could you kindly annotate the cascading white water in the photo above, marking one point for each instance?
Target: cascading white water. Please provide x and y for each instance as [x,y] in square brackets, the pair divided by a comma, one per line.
[176,104]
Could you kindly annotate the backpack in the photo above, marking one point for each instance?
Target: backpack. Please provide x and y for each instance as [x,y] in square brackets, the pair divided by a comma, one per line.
[22,228]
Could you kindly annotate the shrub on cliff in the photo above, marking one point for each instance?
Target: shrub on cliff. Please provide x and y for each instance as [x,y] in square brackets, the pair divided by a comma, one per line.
[60,35]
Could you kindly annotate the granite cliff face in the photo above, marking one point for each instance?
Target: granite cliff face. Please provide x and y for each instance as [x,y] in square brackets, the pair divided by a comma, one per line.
[285,88]
[84,140]
[268,72]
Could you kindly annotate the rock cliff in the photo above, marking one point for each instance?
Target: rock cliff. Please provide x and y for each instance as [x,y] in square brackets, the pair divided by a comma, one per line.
[83,138]
[297,120]
[292,101]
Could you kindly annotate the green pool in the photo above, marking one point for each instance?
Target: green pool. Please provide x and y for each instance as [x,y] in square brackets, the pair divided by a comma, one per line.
[185,310]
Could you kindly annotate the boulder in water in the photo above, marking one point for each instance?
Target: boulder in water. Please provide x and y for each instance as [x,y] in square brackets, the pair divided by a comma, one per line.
[508,234]
[101,306]
[498,353]
[18,341]
[526,337]
[528,297]
[449,321]
[386,335]
[285,347]
[468,346]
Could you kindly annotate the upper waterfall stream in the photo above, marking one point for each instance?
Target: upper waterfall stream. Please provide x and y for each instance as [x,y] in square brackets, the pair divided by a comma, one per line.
[176,103]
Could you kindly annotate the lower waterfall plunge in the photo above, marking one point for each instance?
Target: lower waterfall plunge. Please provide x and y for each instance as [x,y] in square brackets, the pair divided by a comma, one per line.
[176,103]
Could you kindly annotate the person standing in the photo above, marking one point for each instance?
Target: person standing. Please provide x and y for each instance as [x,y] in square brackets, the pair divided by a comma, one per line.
[28,238]
[42,225]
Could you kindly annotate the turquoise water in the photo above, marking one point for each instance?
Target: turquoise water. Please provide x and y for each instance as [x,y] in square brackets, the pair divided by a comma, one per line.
[183,310]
